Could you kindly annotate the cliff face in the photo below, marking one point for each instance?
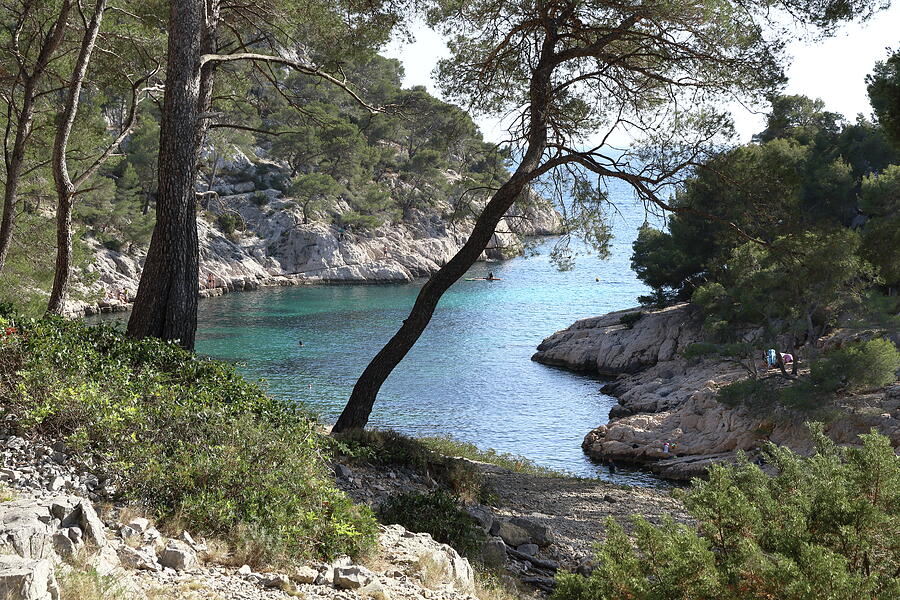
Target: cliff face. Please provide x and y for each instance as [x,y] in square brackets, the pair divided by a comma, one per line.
[665,398]
[275,247]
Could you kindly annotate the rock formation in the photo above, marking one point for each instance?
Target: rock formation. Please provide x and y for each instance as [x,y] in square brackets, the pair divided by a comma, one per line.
[664,398]
[275,247]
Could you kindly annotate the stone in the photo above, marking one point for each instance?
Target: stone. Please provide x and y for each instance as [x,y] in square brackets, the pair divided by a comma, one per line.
[352,577]
[610,499]
[75,534]
[513,534]
[342,471]
[483,515]
[493,553]
[126,532]
[139,524]
[90,523]
[305,574]
[56,484]
[528,549]
[63,545]
[244,570]
[540,534]
[143,559]
[375,590]
[27,579]
[105,561]
[409,551]
[178,555]
[278,581]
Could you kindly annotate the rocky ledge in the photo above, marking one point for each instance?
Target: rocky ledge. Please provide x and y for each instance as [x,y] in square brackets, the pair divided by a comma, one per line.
[664,398]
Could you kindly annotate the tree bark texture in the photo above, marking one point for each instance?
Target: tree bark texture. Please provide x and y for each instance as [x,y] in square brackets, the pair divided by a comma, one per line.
[356,414]
[166,301]
[65,188]
[15,160]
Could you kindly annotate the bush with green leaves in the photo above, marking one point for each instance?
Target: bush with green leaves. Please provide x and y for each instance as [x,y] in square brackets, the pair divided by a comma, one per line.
[229,223]
[436,513]
[823,527]
[187,437]
[858,367]
[629,319]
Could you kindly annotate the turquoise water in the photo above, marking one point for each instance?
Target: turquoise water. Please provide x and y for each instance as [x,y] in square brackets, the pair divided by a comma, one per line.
[469,376]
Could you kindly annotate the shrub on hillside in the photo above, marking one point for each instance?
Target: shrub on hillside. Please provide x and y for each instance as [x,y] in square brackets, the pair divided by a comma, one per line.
[858,367]
[436,513]
[187,437]
[229,223]
[824,526]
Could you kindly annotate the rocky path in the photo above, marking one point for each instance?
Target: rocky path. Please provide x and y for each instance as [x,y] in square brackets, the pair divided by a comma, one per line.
[535,524]
[575,509]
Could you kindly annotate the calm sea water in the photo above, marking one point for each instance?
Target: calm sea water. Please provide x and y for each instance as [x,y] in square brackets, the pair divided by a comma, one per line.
[469,376]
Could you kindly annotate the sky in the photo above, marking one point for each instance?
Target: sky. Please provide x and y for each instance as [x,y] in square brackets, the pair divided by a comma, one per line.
[833,69]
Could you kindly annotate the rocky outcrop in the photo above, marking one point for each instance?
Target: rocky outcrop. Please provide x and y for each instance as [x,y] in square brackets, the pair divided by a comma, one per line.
[609,345]
[668,417]
[275,247]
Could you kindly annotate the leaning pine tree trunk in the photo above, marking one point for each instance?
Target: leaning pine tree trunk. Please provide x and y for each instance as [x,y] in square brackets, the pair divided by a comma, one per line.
[166,302]
[65,189]
[356,414]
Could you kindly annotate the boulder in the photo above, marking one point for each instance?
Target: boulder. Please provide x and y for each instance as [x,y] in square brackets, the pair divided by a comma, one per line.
[27,579]
[139,559]
[539,534]
[493,553]
[352,577]
[411,550]
[513,534]
[178,555]
[305,575]
[528,549]
[483,515]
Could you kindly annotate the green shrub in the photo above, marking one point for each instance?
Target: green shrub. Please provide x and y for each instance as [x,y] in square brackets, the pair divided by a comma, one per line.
[629,319]
[113,244]
[185,436]
[436,513]
[229,223]
[858,367]
[755,392]
[701,350]
[824,526]
[259,198]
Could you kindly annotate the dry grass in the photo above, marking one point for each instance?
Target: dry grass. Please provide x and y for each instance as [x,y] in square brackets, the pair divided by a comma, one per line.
[493,586]
[184,591]
[6,494]
[217,553]
[430,572]
[80,584]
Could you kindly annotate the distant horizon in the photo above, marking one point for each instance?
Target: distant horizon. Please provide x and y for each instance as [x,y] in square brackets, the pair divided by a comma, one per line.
[832,69]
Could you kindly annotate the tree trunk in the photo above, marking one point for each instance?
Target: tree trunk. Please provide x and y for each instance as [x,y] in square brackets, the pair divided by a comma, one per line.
[166,301]
[24,122]
[65,189]
[356,414]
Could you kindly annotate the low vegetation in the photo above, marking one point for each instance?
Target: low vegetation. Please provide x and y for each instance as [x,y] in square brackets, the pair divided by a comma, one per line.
[824,526]
[858,367]
[437,513]
[186,437]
